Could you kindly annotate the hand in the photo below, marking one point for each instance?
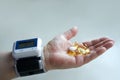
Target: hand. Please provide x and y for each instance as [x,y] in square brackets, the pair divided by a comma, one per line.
[56,56]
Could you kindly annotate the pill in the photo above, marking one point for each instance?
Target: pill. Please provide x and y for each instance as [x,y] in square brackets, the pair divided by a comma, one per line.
[82,51]
[72,48]
[71,53]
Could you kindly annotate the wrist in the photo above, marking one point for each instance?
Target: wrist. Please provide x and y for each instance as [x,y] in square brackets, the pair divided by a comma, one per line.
[46,59]
[7,67]
[11,66]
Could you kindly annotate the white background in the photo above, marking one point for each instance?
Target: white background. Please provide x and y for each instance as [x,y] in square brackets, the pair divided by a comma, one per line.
[21,19]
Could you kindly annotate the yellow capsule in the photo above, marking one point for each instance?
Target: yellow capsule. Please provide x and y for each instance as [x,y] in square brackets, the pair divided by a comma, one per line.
[71,53]
[82,50]
[87,51]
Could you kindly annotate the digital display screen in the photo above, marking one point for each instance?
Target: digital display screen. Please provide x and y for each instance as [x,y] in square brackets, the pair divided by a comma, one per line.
[26,44]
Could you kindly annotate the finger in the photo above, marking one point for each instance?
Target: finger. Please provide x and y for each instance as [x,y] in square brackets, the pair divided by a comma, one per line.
[109,44]
[101,43]
[93,54]
[94,42]
[70,33]
[98,51]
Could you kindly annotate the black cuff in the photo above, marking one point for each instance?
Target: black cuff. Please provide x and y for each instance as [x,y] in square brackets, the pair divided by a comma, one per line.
[29,66]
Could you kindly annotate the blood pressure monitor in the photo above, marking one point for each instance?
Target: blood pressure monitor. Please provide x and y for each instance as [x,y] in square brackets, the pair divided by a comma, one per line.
[28,55]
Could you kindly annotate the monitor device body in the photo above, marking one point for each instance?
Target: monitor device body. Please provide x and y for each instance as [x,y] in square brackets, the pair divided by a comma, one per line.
[27,48]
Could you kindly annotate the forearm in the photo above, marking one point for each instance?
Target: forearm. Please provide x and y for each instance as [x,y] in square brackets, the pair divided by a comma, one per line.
[7,71]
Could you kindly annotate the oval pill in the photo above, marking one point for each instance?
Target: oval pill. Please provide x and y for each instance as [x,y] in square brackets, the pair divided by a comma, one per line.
[72,48]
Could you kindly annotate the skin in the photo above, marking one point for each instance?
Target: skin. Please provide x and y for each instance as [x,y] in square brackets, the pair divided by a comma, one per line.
[55,54]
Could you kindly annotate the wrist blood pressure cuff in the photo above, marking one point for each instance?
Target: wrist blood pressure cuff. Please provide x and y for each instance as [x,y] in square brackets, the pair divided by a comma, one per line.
[28,55]
[29,66]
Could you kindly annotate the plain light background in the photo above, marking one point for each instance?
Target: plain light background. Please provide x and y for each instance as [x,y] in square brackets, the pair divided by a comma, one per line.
[23,19]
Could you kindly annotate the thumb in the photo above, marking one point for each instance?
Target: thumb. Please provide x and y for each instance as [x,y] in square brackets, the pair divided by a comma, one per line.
[70,33]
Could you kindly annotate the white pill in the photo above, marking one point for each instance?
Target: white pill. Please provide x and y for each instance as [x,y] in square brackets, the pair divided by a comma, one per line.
[72,48]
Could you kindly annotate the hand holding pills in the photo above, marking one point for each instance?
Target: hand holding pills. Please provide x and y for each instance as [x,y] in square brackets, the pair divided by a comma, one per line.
[61,53]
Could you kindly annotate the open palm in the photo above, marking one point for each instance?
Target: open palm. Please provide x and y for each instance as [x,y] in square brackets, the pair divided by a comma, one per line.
[56,56]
